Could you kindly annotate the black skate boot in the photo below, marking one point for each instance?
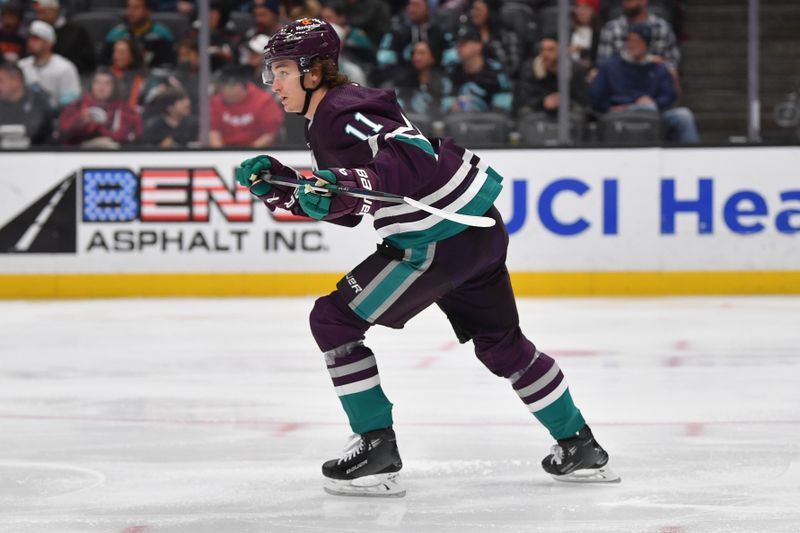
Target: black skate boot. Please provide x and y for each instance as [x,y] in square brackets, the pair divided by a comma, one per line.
[579,459]
[369,466]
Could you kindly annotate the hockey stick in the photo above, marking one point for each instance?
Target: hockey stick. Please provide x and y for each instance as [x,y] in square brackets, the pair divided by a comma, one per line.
[369,194]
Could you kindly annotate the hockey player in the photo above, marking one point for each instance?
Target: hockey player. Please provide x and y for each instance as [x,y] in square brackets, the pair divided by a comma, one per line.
[359,137]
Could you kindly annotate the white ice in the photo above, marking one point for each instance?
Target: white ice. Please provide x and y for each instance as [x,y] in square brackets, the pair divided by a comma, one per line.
[214,415]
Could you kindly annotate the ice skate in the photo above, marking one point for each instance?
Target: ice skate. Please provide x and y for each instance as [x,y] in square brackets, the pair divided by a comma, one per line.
[579,459]
[369,466]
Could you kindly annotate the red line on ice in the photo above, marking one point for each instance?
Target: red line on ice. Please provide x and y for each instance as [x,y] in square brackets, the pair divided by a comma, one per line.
[694,429]
[425,362]
[134,529]
[287,428]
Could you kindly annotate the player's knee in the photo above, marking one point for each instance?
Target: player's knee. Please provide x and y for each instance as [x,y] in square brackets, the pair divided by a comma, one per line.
[333,324]
[504,352]
[321,315]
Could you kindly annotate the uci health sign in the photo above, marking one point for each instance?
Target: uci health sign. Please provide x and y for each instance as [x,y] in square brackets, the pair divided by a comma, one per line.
[569,213]
[653,209]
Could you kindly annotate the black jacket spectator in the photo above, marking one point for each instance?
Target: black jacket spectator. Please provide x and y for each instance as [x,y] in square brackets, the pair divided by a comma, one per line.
[72,41]
[24,105]
[500,44]
[538,79]
[172,126]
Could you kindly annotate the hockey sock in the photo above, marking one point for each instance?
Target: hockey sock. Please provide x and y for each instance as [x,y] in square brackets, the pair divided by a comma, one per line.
[355,378]
[543,389]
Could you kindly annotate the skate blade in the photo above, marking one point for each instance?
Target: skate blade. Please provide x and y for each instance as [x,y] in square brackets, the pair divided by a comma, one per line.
[374,486]
[604,474]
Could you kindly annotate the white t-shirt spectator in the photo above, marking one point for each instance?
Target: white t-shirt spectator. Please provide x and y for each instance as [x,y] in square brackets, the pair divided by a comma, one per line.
[58,78]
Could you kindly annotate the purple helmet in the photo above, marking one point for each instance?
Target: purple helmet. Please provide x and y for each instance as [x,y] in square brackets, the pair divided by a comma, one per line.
[301,41]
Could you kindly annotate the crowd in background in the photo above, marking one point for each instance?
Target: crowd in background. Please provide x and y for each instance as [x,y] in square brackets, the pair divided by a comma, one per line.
[100,73]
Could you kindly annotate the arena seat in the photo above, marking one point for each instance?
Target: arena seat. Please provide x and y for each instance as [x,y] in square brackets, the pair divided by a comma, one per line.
[541,129]
[630,127]
[484,129]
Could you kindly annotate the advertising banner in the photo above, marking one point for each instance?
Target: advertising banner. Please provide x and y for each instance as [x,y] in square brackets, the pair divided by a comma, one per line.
[573,215]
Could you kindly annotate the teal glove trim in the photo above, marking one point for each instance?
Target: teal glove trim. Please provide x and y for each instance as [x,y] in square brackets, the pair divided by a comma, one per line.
[314,204]
[255,165]
[327,175]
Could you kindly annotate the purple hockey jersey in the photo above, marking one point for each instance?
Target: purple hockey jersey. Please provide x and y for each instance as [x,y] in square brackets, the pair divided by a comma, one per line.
[362,136]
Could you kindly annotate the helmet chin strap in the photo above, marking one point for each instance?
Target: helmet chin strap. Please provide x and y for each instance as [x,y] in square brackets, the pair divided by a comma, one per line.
[309,92]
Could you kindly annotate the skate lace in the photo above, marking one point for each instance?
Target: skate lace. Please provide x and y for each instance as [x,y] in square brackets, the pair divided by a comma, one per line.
[354,446]
[558,454]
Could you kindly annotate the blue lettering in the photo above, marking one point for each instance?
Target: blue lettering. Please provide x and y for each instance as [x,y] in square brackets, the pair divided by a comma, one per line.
[110,195]
[610,207]
[733,213]
[546,206]
[783,222]
[670,206]
[519,206]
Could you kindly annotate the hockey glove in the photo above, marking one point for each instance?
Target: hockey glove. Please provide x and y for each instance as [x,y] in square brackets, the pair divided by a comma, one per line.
[315,204]
[248,172]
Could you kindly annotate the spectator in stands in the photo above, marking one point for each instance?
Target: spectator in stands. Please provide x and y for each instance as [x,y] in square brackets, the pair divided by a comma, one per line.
[356,44]
[302,9]
[241,113]
[635,81]
[253,53]
[267,18]
[664,46]
[56,75]
[100,119]
[181,6]
[424,85]
[72,41]
[173,126]
[223,39]
[585,36]
[371,16]
[348,67]
[153,37]
[498,43]
[28,106]
[537,89]
[127,65]
[188,68]
[407,30]
[12,43]
[480,83]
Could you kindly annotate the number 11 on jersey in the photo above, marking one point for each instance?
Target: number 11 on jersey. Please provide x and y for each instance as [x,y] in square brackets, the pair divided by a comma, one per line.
[358,134]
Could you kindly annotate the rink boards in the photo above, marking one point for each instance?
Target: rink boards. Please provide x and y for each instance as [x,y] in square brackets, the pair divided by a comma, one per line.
[581,222]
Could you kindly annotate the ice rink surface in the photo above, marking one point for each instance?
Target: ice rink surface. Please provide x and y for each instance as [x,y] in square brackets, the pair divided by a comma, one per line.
[199,416]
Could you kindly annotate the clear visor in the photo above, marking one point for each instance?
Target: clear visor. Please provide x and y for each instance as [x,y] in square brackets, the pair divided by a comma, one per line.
[280,70]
